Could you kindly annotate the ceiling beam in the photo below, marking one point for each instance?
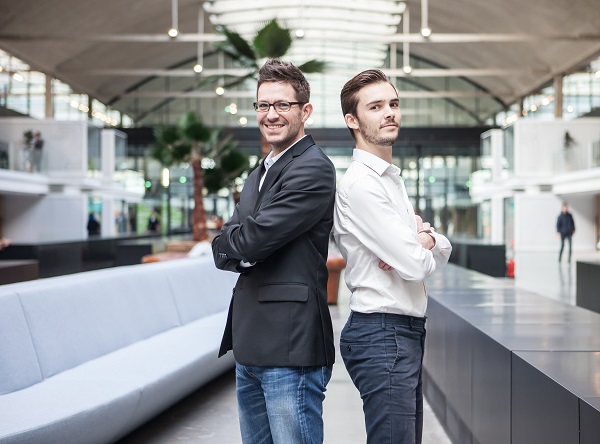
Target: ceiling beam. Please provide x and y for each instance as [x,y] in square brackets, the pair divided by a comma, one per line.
[252,94]
[450,72]
[398,38]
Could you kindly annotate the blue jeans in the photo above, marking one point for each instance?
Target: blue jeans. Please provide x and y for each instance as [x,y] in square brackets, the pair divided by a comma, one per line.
[383,354]
[281,405]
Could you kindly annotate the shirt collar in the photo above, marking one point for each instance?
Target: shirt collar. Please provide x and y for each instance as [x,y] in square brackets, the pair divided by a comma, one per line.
[270,160]
[377,164]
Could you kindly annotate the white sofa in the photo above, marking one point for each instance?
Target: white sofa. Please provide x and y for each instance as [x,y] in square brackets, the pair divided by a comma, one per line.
[87,358]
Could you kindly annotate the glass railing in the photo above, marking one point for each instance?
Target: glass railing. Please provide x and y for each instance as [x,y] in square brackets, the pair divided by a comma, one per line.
[577,158]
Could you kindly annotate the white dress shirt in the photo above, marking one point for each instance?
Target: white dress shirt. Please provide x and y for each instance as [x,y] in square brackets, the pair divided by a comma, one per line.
[374,220]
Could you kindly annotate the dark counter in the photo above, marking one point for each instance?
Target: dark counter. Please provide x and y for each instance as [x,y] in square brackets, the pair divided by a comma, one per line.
[500,361]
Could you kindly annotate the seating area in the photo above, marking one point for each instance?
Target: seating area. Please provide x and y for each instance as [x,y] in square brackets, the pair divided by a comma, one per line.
[109,347]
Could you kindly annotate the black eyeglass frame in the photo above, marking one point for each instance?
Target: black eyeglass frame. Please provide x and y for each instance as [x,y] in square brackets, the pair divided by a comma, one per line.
[255,104]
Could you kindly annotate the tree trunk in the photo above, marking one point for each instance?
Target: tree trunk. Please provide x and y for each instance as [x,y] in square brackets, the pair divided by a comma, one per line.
[199,230]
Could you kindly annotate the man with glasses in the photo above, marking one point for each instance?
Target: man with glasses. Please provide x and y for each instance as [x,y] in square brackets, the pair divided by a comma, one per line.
[279,326]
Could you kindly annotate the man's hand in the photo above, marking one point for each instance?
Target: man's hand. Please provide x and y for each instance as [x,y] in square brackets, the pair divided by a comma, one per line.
[384,266]
[424,237]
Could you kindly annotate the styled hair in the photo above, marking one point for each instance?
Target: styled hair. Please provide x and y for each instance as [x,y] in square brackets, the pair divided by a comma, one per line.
[349,94]
[276,70]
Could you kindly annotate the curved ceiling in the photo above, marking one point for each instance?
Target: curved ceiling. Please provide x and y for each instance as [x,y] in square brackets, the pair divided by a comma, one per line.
[480,57]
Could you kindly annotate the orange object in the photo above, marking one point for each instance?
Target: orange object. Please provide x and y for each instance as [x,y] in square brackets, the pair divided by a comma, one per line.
[160,257]
[335,265]
[510,268]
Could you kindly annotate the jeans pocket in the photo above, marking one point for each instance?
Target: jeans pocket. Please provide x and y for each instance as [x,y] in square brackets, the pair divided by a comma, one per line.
[409,349]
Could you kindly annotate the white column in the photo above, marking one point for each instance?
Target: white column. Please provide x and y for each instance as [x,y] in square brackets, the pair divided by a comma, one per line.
[497,219]
[108,227]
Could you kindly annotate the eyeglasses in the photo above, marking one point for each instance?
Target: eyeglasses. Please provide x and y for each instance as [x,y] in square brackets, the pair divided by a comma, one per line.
[280,107]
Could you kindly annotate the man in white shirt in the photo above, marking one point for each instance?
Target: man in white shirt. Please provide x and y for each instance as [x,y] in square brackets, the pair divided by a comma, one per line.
[389,252]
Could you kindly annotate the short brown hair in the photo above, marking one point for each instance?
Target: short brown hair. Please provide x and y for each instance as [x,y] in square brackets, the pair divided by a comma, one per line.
[276,70]
[349,94]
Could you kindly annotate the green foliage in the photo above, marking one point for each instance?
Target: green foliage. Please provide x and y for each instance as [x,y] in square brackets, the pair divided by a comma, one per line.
[192,128]
[214,180]
[313,66]
[230,163]
[163,154]
[168,135]
[272,41]
[175,143]
[234,161]
[237,48]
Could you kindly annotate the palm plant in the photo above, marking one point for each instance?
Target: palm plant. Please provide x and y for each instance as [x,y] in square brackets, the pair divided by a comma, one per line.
[191,141]
[271,41]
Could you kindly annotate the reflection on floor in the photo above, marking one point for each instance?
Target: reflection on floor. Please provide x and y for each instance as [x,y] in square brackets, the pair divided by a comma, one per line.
[210,414]
[541,273]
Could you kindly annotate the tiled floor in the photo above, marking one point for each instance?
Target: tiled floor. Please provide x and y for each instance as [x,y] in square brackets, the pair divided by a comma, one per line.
[210,414]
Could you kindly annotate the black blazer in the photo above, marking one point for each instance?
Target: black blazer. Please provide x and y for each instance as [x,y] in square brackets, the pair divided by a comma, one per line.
[278,315]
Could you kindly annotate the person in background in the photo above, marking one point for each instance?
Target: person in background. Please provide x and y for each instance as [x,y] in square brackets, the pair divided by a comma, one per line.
[93,226]
[389,252]
[38,145]
[565,228]
[153,223]
[279,326]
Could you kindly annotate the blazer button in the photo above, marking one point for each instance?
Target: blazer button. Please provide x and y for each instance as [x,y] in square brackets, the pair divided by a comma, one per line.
[349,348]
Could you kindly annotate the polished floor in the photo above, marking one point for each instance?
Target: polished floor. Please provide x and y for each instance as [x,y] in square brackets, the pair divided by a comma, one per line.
[541,273]
[210,414]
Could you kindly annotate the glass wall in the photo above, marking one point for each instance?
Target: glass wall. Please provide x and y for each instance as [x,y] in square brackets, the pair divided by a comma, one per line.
[24,91]
[581,96]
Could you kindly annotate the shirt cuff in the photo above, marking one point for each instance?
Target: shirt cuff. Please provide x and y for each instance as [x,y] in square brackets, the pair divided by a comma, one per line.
[245,264]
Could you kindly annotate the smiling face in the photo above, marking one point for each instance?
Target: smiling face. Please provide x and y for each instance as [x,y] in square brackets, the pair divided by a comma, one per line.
[282,129]
[377,116]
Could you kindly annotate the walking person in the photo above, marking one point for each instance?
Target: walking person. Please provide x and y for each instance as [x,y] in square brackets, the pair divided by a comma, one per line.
[389,252]
[565,228]
[279,326]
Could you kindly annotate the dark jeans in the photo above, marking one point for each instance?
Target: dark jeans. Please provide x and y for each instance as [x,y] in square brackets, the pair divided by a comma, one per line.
[383,354]
[562,245]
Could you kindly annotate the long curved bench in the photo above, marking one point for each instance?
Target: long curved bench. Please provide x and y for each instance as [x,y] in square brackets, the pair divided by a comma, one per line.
[90,357]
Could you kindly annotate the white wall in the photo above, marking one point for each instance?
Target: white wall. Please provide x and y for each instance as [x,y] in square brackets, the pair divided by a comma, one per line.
[535,222]
[538,144]
[65,143]
[47,218]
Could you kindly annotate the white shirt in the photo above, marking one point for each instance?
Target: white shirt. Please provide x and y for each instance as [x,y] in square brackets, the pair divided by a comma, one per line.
[373,220]
[270,160]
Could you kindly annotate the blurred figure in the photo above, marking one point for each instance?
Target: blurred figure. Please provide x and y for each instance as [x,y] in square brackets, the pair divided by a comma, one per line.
[565,228]
[93,226]
[153,222]
[38,144]
[4,242]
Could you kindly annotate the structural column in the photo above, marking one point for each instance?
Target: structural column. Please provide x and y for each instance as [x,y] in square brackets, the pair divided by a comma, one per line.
[558,97]
[49,110]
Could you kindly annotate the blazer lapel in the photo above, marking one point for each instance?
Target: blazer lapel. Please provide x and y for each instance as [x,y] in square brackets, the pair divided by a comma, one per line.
[274,172]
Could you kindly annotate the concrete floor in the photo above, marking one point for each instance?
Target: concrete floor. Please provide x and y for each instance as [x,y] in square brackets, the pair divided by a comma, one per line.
[210,414]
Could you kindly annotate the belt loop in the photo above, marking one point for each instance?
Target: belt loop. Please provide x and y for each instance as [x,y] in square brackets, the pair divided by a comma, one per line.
[350,317]
[382,320]
[410,322]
